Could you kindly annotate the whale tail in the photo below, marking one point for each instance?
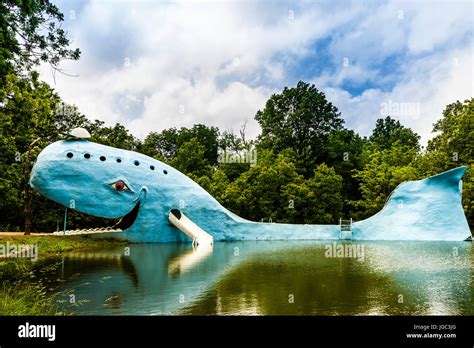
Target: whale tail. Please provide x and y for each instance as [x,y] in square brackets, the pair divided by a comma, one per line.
[427,209]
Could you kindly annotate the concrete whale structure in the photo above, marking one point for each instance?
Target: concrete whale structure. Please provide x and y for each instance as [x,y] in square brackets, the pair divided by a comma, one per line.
[156,202]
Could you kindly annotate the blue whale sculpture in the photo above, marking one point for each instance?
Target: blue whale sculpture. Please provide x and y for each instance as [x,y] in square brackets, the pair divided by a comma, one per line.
[114,183]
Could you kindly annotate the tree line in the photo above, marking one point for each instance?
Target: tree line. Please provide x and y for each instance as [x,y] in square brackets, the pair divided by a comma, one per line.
[306,166]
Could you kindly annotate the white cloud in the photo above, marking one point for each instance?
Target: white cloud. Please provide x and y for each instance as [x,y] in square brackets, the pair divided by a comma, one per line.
[184,104]
[380,32]
[443,24]
[417,100]
[215,59]
[433,47]
[154,65]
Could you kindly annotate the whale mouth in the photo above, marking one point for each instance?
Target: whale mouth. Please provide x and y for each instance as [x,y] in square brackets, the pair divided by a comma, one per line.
[123,223]
[128,219]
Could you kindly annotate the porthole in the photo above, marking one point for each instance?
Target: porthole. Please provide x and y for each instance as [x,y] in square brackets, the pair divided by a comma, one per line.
[152,167]
[164,171]
[69,155]
[119,160]
[102,158]
[136,163]
[86,155]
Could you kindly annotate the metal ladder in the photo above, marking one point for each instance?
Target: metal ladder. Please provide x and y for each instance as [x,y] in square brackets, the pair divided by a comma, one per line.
[345,231]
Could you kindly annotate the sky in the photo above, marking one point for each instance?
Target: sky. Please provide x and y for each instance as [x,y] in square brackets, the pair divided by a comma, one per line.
[151,65]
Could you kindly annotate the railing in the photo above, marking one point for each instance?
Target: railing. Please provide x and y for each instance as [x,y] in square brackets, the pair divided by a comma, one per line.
[345,229]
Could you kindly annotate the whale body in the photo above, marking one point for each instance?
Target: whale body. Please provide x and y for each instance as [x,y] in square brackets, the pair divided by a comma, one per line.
[114,183]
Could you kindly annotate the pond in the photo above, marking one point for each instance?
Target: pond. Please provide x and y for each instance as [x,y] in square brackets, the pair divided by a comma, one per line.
[271,278]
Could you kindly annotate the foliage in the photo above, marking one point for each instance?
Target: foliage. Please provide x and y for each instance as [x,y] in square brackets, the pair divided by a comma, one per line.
[317,200]
[31,33]
[166,144]
[26,113]
[257,193]
[389,131]
[300,119]
[216,184]
[231,144]
[346,153]
[274,191]
[383,172]
[112,136]
[23,298]
[454,146]
[191,159]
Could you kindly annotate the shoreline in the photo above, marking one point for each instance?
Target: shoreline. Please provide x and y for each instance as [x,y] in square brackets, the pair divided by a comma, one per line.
[21,234]
[18,294]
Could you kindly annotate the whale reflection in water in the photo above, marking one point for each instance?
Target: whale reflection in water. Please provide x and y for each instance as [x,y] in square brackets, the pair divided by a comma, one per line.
[275,278]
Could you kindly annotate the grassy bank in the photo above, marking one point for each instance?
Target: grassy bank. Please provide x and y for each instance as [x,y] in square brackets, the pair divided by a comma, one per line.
[18,294]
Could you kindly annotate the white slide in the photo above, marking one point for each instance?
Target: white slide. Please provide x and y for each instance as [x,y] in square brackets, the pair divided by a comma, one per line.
[189,228]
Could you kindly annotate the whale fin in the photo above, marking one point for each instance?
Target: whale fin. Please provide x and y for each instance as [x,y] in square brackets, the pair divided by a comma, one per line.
[427,209]
[452,176]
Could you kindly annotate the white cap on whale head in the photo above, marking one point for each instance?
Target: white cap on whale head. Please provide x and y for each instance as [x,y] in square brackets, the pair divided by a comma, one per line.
[80,133]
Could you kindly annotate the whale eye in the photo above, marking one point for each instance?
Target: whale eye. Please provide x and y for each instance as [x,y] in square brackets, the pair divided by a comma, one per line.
[120,186]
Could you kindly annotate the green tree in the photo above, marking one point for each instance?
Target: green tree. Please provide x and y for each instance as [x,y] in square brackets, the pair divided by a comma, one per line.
[317,200]
[468,194]
[388,131]
[191,159]
[301,119]
[68,117]
[216,184]
[116,136]
[31,33]
[163,145]
[257,193]
[166,144]
[381,174]
[452,147]
[232,145]
[273,190]
[346,153]
[455,141]
[206,136]
[27,113]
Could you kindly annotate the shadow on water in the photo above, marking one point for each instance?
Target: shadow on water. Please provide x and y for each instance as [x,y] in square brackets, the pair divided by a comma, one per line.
[274,278]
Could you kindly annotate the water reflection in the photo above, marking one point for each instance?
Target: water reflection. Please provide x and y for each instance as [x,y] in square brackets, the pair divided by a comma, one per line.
[75,263]
[274,278]
[189,259]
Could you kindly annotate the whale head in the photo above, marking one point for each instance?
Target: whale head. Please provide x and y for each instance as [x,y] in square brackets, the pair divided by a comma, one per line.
[96,179]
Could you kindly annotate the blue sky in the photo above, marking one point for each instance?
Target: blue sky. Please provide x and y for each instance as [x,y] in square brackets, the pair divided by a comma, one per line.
[152,65]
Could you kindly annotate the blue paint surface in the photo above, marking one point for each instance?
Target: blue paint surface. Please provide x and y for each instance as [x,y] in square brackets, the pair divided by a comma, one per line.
[80,174]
